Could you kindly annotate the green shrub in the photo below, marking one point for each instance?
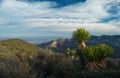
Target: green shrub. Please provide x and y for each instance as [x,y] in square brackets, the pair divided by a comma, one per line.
[98,52]
[95,57]
[71,52]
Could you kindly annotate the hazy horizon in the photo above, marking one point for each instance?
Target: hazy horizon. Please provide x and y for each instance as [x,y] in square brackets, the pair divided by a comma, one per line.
[45,39]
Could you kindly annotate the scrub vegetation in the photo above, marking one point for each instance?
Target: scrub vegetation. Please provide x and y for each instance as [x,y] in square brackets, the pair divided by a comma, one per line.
[20,59]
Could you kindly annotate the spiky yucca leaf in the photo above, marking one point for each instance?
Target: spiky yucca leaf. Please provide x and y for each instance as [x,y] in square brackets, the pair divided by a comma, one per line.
[81,34]
[98,52]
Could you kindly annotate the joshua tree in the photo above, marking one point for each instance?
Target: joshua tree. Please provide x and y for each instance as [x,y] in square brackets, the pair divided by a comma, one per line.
[81,35]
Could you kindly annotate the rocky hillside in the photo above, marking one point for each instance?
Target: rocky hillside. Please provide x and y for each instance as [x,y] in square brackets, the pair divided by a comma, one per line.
[60,45]
[20,59]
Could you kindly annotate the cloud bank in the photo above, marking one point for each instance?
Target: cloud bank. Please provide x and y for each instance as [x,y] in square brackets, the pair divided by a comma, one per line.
[40,19]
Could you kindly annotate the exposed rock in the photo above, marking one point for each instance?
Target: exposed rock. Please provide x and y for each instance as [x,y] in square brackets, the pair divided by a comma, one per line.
[53,43]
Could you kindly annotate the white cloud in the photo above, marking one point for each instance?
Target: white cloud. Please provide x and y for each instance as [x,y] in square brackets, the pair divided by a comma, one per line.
[115,22]
[21,16]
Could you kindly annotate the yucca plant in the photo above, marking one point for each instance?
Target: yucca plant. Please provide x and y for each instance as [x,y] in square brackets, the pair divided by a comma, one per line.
[104,50]
[71,53]
[89,53]
[95,56]
[98,52]
[81,35]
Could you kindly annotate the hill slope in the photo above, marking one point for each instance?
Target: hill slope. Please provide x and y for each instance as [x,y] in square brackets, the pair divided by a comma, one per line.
[17,45]
[18,59]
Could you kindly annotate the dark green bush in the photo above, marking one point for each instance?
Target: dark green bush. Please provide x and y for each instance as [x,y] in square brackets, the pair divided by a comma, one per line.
[97,53]
[95,57]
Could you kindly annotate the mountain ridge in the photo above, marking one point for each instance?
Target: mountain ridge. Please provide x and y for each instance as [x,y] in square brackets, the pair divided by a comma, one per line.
[60,45]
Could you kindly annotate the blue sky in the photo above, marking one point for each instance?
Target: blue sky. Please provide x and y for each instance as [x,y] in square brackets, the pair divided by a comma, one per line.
[58,18]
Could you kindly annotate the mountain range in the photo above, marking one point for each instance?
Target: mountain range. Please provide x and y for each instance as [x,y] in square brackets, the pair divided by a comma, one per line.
[60,45]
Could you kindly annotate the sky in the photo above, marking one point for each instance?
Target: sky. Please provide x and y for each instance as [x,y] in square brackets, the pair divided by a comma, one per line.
[58,18]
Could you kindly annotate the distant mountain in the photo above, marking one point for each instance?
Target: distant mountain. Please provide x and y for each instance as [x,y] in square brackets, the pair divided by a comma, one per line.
[35,42]
[60,45]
